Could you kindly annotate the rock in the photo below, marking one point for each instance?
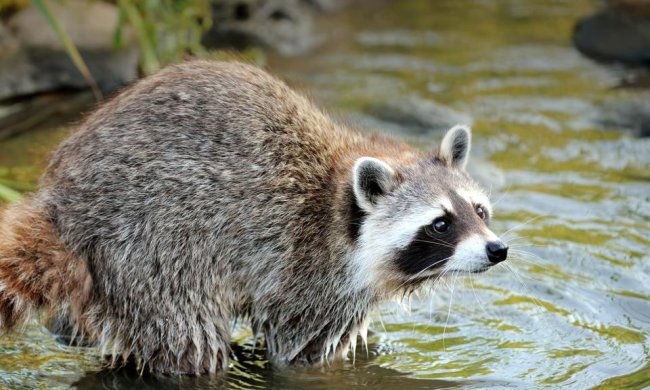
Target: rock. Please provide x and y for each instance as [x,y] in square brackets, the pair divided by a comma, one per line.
[633,7]
[422,122]
[326,5]
[282,25]
[32,59]
[8,43]
[417,116]
[633,115]
[620,32]
[44,110]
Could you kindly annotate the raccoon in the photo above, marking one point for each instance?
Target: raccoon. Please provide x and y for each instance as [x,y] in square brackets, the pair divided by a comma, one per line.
[211,191]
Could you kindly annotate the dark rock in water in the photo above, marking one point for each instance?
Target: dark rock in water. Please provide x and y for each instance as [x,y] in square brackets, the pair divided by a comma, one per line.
[633,115]
[282,25]
[417,116]
[32,59]
[634,78]
[424,122]
[48,110]
[618,33]
[326,5]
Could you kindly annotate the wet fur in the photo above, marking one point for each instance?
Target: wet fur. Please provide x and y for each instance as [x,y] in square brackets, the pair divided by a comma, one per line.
[37,271]
[206,192]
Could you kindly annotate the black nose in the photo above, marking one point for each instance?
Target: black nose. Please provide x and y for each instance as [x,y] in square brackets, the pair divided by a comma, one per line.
[497,251]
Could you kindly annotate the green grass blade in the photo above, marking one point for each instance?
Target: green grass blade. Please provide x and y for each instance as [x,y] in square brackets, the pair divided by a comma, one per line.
[76,58]
[118,36]
[18,185]
[8,194]
[150,62]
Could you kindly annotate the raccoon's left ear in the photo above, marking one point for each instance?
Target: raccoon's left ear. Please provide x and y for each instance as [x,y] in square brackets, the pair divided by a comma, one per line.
[371,179]
[455,146]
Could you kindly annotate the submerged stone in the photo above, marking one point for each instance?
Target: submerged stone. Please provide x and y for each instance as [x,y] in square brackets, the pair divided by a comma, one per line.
[632,115]
[284,26]
[619,32]
[33,60]
[418,116]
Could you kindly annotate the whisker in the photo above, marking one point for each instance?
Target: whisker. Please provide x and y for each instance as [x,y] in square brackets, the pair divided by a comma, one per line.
[417,275]
[524,245]
[529,293]
[524,242]
[528,254]
[435,288]
[480,303]
[517,238]
[428,267]
[451,297]
[434,242]
[503,194]
[526,258]
[521,224]
[515,254]
[523,283]
[516,259]
[432,239]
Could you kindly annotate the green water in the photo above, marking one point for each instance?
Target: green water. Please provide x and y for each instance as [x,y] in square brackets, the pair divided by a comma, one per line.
[571,306]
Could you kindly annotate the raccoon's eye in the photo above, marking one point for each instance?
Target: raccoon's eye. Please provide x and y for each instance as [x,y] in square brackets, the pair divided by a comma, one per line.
[440,225]
[480,211]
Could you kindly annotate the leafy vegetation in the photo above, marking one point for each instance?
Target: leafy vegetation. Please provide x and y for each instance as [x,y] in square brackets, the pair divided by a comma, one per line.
[9,195]
[43,7]
[167,30]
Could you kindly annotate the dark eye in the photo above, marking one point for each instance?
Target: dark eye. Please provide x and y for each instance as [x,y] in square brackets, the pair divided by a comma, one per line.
[480,211]
[441,225]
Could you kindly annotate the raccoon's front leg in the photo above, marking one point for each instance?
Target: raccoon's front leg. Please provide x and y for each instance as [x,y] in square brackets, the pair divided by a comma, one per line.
[323,349]
[200,356]
[305,343]
[194,346]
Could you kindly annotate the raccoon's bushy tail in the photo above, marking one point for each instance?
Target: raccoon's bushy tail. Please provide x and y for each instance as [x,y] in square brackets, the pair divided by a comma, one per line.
[37,272]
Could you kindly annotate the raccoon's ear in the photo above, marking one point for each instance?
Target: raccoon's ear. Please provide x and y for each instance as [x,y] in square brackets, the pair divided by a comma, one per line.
[455,146]
[371,179]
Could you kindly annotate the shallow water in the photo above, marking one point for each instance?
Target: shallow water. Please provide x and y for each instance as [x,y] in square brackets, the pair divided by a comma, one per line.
[571,188]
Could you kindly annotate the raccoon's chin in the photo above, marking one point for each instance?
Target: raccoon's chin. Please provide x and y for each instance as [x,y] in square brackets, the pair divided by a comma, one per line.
[435,275]
[468,271]
[432,276]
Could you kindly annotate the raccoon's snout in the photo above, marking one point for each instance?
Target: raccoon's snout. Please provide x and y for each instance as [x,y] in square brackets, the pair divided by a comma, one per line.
[497,251]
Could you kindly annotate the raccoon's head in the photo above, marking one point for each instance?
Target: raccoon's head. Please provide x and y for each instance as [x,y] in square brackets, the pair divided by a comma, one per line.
[424,219]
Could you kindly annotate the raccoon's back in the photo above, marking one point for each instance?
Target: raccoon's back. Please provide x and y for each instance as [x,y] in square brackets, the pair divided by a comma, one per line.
[195,154]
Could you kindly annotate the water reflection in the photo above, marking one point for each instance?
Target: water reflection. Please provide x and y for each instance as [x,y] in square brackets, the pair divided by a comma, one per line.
[249,371]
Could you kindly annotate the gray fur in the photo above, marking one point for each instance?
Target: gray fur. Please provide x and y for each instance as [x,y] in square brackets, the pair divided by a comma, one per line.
[211,191]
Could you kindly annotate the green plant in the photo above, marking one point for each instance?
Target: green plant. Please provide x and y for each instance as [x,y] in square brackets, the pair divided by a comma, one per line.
[9,195]
[167,30]
[71,49]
